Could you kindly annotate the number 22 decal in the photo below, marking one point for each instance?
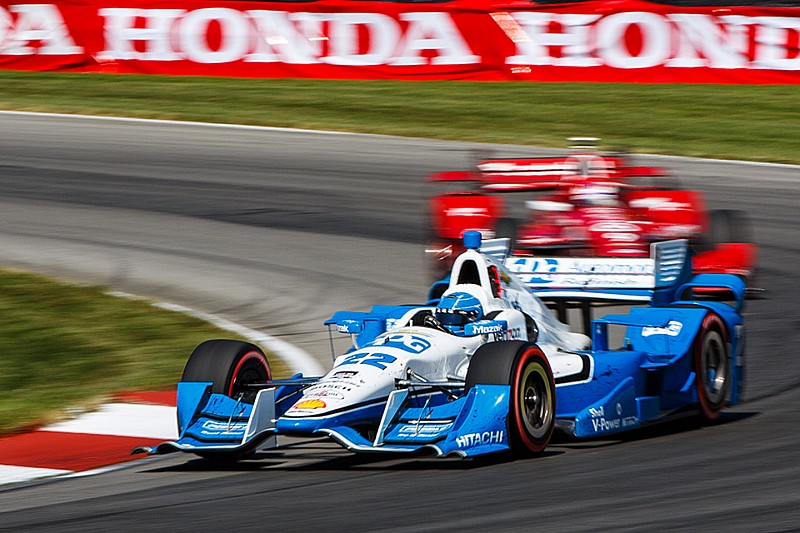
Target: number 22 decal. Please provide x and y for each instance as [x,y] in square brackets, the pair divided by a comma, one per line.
[378,360]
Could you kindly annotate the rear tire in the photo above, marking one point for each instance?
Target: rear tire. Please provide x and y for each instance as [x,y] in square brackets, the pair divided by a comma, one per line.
[712,367]
[230,366]
[506,228]
[532,405]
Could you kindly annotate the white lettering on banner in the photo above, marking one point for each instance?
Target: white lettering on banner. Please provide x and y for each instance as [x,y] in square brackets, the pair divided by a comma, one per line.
[383,32]
[703,43]
[261,36]
[40,23]
[678,40]
[279,39]
[533,38]
[655,31]
[433,31]
[771,38]
[234,32]
[121,34]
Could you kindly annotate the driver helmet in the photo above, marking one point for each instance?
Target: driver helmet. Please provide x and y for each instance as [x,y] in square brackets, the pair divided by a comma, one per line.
[595,195]
[457,309]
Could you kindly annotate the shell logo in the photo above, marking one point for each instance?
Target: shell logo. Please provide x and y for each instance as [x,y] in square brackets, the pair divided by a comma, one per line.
[310,404]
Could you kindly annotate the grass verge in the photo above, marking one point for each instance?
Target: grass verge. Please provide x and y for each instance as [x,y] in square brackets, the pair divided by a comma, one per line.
[755,122]
[65,348]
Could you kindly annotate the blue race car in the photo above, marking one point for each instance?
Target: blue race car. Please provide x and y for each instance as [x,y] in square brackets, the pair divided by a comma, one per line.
[488,364]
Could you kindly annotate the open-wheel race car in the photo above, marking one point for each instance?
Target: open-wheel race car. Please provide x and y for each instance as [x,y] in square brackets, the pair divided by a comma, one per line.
[586,204]
[486,366]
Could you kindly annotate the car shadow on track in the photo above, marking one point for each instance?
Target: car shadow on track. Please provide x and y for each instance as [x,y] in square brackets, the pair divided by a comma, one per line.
[323,455]
[660,429]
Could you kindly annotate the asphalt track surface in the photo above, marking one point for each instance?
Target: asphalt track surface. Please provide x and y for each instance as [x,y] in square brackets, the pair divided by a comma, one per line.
[277,230]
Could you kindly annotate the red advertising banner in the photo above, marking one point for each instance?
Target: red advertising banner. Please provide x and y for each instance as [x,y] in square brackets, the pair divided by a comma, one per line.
[614,41]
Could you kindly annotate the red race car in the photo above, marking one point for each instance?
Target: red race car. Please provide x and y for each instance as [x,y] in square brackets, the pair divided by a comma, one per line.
[585,204]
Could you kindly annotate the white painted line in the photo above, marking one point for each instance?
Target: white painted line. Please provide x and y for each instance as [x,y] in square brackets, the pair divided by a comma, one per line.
[124,420]
[178,122]
[18,474]
[731,161]
[330,132]
[298,360]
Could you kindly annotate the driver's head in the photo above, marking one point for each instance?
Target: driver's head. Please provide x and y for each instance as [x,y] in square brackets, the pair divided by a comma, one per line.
[594,195]
[457,309]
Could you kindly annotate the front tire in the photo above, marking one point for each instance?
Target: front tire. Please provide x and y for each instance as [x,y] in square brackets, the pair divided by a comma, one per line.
[532,405]
[712,367]
[231,366]
[729,226]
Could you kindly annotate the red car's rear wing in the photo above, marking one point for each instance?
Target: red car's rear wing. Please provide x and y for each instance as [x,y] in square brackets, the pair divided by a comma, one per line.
[509,175]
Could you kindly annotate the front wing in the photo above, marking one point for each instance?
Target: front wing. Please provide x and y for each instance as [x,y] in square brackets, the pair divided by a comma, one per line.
[217,425]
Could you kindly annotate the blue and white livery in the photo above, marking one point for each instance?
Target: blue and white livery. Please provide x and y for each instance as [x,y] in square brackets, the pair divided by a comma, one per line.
[486,365]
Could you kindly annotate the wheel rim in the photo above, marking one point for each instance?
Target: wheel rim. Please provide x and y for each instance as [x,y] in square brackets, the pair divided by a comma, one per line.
[251,368]
[714,368]
[534,401]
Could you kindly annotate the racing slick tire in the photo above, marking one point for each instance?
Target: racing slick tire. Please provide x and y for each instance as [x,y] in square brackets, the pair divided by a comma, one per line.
[532,404]
[506,228]
[230,366]
[728,226]
[712,367]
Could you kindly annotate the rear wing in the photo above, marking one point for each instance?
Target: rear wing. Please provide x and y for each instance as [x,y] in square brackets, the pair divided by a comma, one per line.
[653,278]
[531,174]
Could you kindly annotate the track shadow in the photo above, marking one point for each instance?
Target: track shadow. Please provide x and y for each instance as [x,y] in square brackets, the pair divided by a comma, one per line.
[681,424]
[322,455]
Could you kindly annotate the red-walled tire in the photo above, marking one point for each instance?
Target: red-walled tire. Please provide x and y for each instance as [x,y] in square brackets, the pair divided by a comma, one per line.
[532,404]
[712,366]
[230,366]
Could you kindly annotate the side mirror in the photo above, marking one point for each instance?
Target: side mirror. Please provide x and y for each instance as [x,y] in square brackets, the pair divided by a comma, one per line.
[349,327]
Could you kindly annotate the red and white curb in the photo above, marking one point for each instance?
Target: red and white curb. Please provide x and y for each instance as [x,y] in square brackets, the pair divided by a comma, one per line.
[90,442]
[99,440]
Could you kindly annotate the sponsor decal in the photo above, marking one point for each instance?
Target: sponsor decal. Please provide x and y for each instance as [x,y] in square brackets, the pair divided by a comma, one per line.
[466,211]
[660,204]
[35,29]
[345,374]
[620,237]
[409,343]
[423,430]
[619,41]
[378,360]
[212,427]
[678,230]
[675,40]
[484,328]
[349,326]
[271,36]
[577,266]
[474,439]
[346,387]
[615,227]
[325,393]
[672,329]
[312,403]
[601,424]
